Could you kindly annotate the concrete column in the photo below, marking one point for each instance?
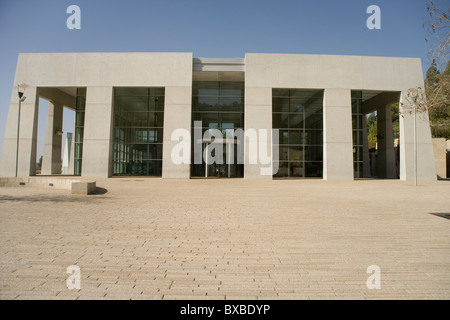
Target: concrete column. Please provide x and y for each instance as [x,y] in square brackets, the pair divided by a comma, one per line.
[426,167]
[97,142]
[258,115]
[27,135]
[337,135]
[72,150]
[177,115]
[366,153]
[51,160]
[386,152]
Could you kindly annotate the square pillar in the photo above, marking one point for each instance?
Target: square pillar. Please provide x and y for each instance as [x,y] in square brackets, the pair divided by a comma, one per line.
[177,115]
[426,167]
[51,160]
[72,149]
[366,153]
[386,152]
[27,135]
[337,135]
[97,140]
[258,115]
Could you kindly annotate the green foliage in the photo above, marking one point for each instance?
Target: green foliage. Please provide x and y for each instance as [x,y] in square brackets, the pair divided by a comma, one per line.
[372,126]
[437,89]
[372,130]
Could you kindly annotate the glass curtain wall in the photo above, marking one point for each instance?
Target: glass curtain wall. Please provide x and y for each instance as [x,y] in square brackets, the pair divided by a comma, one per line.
[357,126]
[79,130]
[218,105]
[298,114]
[138,131]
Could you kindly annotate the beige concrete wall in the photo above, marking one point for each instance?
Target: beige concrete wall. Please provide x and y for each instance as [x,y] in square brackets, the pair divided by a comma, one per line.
[27,135]
[426,168]
[99,72]
[347,73]
[130,69]
[440,156]
[337,135]
[51,158]
[97,140]
[332,71]
[177,115]
[258,115]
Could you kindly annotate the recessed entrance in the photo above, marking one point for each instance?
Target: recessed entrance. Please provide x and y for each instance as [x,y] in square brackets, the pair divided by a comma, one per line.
[217,109]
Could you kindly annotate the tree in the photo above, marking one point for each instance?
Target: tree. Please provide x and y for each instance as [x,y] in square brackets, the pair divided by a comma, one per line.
[437,84]
[432,75]
[437,24]
[437,90]
[372,130]
[39,164]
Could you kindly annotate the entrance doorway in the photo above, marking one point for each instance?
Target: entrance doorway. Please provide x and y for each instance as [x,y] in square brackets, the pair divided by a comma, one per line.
[228,167]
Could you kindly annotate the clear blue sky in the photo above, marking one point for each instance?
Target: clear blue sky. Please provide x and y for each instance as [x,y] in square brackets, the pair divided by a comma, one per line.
[208,28]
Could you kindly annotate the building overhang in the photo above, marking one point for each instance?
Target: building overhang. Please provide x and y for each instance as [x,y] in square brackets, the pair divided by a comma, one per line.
[218,69]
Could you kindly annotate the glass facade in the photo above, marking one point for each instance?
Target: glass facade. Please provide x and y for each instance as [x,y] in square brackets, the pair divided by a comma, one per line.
[218,105]
[298,114]
[79,130]
[357,127]
[138,131]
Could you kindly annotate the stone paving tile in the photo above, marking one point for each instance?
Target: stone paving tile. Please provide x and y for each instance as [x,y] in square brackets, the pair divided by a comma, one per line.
[227,239]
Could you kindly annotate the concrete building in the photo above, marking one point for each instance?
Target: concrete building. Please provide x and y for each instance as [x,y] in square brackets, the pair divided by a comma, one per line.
[128,106]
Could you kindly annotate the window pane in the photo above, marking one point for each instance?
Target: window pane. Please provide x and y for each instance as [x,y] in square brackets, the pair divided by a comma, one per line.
[296,105]
[295,153]
[230,104]
[138,132]
[304,139]
[314,121]
[131,92]
[280,104]
[218,105]
[235,119]
[296,169]
[283,169]
[296,120]
[313,153]
[296,137]
[205,88]
[207,118]
[235,89]
[283,136]
[205,103]
[283,153]
[314,137]
[313,169]
[280,120]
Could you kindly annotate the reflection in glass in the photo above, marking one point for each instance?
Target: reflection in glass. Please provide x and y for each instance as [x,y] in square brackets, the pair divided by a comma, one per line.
[299,116]
[79,130]
[138,131]
[219,105]
[357,125]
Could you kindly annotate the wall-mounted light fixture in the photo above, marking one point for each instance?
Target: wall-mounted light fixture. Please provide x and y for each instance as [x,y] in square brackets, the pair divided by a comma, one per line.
[20,92]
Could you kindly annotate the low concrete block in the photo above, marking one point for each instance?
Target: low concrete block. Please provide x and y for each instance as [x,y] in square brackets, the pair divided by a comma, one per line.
[83,187]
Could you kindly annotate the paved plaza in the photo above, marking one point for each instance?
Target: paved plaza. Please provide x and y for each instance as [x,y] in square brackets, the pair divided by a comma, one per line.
[148,238]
